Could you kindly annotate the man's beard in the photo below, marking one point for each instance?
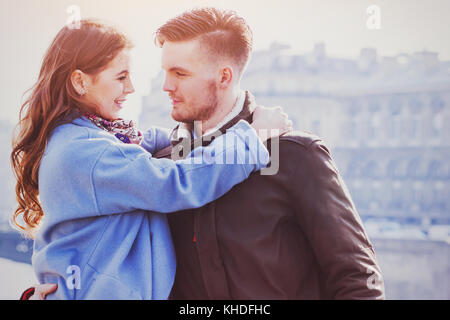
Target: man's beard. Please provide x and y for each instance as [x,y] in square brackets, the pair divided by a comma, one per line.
[205,110]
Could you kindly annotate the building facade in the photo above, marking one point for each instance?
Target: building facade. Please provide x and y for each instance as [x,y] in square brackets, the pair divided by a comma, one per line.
[385,119]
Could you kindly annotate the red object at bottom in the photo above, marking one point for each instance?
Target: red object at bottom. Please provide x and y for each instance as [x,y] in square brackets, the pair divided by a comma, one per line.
[26,295]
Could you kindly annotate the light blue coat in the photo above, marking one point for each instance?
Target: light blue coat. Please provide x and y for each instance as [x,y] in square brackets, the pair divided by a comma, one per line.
[104,234]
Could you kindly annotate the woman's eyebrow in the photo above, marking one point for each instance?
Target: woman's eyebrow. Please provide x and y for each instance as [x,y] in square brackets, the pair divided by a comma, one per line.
[121,72]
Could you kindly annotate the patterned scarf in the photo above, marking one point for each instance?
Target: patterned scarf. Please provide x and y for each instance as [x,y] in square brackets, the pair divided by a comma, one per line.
[124,130]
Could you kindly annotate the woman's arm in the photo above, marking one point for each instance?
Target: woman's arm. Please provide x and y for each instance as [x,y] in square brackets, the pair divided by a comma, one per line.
[155,139]
[127,178]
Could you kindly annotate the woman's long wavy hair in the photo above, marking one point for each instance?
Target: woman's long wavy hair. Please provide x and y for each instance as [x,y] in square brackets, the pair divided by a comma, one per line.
[54,101]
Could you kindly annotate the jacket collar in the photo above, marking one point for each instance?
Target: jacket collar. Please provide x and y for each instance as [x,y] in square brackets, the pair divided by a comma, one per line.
[184,131]
[85,122]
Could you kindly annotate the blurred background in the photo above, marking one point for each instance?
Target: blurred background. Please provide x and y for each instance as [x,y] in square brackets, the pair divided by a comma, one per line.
[372,78]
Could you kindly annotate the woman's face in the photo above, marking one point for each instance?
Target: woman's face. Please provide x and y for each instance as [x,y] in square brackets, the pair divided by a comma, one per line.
[108,89]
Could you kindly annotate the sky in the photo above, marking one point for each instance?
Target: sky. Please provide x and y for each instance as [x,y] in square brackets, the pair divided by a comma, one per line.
[406,26]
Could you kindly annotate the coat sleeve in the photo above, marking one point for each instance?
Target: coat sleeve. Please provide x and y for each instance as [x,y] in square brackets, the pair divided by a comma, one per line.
[155,139]
[128,178]
[327,215]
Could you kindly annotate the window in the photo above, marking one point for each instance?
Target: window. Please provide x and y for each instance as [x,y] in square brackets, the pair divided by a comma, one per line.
[396,200]
[354,108]
[437,170]
[349,130]
[395,106]
[395,123]
[372,170]
[437,104]
[396,169]
[415,169]
[415,105]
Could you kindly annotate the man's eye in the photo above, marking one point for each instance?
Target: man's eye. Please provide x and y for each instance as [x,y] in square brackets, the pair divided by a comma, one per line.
[122,78]
[180,74]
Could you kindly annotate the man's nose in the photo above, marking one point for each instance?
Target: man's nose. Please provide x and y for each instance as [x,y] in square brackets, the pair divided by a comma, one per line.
[168,85]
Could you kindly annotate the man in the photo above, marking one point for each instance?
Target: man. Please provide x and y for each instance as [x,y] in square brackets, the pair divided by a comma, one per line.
[293,234]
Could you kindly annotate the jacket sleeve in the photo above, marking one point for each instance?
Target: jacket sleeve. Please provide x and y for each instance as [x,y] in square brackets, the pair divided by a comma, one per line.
[328,217]
[128,178]
[155,139]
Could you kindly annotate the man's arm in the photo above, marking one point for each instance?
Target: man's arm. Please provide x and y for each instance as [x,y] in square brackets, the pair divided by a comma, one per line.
[327,215]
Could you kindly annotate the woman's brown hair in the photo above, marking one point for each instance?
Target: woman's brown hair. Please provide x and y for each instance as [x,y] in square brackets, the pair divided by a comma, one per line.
[54,101]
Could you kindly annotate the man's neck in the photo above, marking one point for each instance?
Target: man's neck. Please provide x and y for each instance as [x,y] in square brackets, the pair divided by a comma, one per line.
[225,106]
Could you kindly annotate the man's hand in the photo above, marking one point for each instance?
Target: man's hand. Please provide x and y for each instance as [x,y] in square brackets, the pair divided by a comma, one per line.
[42,290]
[270,122]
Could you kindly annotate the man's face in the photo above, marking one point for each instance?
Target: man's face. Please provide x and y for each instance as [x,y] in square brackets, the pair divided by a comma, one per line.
[191,80]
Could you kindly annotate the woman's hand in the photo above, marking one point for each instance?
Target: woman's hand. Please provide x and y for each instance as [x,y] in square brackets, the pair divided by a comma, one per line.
[270,122]
[42,290]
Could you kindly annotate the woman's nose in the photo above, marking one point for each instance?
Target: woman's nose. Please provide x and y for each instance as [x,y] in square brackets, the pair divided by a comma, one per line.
[129,88]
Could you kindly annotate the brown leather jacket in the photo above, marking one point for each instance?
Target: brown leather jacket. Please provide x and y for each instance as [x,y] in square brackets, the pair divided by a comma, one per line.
[292,235]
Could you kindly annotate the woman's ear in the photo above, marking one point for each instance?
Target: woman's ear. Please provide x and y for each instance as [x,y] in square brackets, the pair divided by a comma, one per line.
[78,81]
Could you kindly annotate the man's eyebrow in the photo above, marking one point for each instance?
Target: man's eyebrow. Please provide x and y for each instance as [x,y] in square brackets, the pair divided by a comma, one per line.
[122,72]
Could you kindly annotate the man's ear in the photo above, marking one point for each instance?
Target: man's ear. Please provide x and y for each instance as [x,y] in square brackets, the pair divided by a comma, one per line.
[226,76]
[78,79]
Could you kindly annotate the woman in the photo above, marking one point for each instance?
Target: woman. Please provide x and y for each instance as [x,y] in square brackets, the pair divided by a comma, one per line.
[89,191]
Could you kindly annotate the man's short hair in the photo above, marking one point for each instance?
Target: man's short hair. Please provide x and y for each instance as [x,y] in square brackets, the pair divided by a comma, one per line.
[223,32]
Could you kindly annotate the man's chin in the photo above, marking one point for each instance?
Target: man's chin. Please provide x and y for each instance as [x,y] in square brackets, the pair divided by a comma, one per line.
[186,118]
[179,118]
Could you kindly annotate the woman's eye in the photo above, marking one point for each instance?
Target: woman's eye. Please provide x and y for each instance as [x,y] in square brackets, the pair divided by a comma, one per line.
[180,74]
[122,78]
